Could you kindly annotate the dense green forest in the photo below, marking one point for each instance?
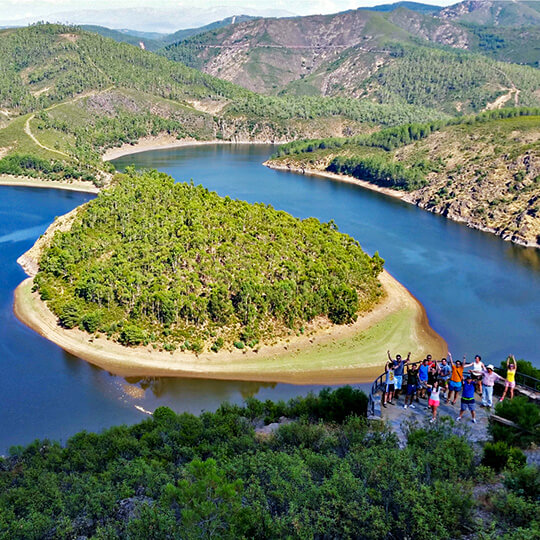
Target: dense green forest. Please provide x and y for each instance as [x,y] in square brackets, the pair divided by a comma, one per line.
[326,473]
[174,265]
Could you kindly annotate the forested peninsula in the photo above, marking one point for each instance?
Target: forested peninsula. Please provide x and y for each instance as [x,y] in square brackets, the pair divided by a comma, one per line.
[155,268]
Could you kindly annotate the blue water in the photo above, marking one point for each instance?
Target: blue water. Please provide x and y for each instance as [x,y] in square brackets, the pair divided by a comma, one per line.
[481,294]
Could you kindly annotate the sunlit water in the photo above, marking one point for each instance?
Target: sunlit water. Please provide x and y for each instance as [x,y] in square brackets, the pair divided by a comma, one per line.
[481,294]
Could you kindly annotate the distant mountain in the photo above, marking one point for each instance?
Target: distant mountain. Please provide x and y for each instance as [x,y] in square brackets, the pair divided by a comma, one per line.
[494,12]
[181,35]
[393,57]
[152,41]
[413,6]
[148,19]
[127,36]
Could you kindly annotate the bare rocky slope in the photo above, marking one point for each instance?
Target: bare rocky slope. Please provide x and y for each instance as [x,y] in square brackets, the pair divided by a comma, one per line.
[368,54]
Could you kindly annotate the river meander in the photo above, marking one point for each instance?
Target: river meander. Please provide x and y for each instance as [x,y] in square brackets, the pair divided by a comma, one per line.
[481,294]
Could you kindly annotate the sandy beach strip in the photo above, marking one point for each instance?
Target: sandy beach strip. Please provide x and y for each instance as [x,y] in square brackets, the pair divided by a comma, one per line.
[164,142]
[336,355]
[338,177]
[26,181]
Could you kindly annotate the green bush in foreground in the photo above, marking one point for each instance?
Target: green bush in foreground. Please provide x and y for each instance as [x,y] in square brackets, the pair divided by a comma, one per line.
[151,261]
[326,474]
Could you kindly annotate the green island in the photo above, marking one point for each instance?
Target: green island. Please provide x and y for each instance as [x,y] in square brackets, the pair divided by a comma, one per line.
[312,468]
[174,265]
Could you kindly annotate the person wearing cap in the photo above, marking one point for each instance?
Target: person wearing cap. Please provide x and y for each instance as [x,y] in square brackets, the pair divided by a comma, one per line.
[488,380]
[467,398]
[398,365]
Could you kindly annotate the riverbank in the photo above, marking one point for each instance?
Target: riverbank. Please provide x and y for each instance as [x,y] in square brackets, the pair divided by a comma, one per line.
[164,142]
[408,197]
[338,177]
[340,354]
[332,354]
[26,181]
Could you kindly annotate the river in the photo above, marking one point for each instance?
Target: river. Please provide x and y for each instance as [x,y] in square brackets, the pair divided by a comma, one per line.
[481,294]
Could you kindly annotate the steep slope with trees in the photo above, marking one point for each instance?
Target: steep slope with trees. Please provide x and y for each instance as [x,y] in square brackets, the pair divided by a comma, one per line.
[381,56]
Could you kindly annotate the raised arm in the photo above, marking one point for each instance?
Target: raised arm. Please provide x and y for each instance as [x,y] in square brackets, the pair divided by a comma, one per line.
[389,357]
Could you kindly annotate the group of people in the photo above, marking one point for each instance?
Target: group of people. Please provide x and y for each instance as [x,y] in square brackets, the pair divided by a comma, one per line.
[435,381]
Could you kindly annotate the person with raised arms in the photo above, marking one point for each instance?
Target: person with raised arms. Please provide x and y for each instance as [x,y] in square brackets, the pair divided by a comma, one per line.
[456,379]
[399,365]
[477,368]
[511,370]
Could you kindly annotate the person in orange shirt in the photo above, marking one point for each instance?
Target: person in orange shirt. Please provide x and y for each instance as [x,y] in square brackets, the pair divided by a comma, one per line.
[456,379]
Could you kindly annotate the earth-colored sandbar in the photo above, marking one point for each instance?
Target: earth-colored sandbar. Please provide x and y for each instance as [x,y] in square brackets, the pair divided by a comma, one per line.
[339,354]
[26,181]
[338,177]
[334,355]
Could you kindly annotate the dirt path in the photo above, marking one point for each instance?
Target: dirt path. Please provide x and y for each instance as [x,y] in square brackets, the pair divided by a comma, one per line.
[501,101]
[28,131]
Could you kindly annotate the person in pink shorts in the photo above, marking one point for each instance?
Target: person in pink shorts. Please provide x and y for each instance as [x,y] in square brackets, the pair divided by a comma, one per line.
[434,400]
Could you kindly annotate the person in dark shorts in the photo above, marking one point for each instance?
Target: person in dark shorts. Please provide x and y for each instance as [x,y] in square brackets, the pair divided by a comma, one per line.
[467,398]
[412,387]
[423,372]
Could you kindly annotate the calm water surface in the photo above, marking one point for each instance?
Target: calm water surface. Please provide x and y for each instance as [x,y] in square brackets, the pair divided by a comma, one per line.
[481,294]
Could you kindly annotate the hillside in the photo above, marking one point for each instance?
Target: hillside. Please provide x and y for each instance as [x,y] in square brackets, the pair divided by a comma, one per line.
[493,12]
[175,266]
[393,57]
[484,171]
[313,467]
[67,95]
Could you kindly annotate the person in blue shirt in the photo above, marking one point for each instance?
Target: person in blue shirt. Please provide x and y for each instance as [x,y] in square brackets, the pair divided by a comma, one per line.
[467,398]
[423,374]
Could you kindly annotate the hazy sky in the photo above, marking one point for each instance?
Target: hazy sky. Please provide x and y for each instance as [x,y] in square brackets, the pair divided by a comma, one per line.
[41,9]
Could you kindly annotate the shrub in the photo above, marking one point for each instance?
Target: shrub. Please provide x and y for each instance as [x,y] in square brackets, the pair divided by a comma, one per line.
[499,455]
[522,412]
[131,334]
[90,322]
[69,315]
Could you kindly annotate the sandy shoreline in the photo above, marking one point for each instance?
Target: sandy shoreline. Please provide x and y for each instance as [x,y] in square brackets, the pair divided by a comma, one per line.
[342,354]
[338,177]
[336,355]
[24,181]
[147,144]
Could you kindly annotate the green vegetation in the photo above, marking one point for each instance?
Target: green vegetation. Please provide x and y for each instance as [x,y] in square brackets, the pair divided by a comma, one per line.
[436,79]
[326,473]
[290,107]
[150,261]
[28,165]
[356,155]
